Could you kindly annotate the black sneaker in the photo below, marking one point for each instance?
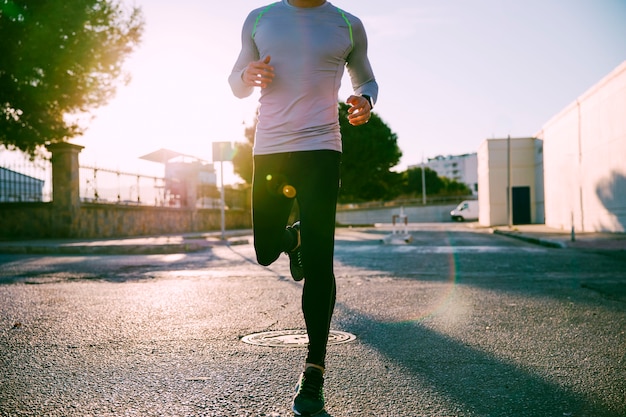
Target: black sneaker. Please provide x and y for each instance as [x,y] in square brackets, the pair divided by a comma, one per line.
[295,255]
[309,399]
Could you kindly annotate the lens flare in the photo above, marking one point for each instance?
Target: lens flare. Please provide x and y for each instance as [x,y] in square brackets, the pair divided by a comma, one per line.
[289,191]
[278,185]
[443,303]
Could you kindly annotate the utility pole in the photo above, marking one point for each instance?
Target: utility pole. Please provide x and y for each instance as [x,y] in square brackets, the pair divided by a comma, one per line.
[423,181]
[223,201]
[509,191]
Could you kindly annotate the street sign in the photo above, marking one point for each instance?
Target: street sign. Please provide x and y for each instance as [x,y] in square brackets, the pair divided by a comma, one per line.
[223,151]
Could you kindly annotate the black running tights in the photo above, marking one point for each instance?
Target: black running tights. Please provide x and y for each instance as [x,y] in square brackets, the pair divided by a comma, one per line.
[314,179]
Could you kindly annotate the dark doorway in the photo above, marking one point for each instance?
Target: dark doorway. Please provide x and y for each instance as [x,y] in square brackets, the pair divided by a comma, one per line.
[521,205]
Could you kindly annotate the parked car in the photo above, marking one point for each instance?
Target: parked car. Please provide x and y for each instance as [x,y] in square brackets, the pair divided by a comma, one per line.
[467,210]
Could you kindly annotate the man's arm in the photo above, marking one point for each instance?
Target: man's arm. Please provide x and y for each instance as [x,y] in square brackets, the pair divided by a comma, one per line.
[362,78]
[358,65]
[248,54]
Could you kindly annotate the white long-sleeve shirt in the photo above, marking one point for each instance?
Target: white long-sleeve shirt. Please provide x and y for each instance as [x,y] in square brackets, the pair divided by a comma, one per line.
[309,49]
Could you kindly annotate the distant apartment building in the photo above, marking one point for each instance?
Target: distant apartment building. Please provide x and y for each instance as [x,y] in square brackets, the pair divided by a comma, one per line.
[461,168]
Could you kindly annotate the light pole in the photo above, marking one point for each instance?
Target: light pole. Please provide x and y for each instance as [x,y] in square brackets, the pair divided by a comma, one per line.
[509,191]
[423,181]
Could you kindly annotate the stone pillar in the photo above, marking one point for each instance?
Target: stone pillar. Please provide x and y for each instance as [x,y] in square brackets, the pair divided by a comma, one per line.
[65,188]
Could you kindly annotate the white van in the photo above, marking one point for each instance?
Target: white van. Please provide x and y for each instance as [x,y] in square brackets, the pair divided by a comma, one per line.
[467,210]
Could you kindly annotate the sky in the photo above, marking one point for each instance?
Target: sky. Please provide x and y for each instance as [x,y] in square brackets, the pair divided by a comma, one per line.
[451,74]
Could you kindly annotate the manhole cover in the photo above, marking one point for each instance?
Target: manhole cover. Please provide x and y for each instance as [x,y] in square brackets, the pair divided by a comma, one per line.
[293,338]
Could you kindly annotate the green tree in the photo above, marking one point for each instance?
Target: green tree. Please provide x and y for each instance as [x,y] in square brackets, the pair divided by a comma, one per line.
[435,185]
[413,182]
[453,187]
[369,152]
[242,160]
[58,61]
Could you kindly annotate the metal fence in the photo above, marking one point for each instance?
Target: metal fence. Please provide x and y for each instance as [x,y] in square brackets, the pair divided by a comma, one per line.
[102,185]
[107,186]
[24,180]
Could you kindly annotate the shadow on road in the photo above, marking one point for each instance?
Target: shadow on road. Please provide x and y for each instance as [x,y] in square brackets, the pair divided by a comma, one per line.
[482,383]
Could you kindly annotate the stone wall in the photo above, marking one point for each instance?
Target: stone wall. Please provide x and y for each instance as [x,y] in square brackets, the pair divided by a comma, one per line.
[67,217]
[26,220]
[101,220]
[41,221]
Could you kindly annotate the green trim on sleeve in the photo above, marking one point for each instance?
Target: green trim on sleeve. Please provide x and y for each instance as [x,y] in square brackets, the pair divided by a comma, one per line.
[256,22]
[349,25]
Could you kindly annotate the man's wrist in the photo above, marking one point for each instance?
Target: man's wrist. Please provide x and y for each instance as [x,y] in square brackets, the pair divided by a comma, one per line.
[369,100]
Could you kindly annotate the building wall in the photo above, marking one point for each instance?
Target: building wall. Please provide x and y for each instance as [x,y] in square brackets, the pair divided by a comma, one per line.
[539,205]
[493,178]
[585,160]
[470,172]
[484,189]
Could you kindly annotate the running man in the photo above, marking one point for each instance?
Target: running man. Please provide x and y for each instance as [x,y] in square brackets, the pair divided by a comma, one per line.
[295,51]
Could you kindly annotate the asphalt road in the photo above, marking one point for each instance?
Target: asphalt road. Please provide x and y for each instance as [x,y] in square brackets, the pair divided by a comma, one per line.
[457,322]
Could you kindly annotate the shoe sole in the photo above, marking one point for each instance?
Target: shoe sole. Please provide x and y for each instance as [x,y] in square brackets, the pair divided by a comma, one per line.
[296,413]
[296,277]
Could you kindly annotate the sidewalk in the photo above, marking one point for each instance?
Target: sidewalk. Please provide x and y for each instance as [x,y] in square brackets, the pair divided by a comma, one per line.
[542,235]
[193,242]
[144,245]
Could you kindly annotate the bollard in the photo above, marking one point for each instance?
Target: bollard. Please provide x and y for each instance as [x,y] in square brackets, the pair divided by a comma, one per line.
[397,236]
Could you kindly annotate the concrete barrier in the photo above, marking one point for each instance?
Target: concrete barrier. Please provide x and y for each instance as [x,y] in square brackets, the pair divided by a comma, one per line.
[415,214]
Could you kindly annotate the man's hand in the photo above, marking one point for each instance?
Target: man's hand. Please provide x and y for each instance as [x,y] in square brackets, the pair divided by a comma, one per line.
[258,73]
[360,112]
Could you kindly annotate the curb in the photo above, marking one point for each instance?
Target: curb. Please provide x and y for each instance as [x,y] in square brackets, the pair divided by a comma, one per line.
[536,240]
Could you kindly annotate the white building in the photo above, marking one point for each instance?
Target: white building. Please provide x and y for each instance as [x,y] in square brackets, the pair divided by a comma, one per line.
[573,174]
[515,164]
[585,159]
[461,168]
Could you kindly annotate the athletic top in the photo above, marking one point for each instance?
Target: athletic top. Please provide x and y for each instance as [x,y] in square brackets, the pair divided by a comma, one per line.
[309,48]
